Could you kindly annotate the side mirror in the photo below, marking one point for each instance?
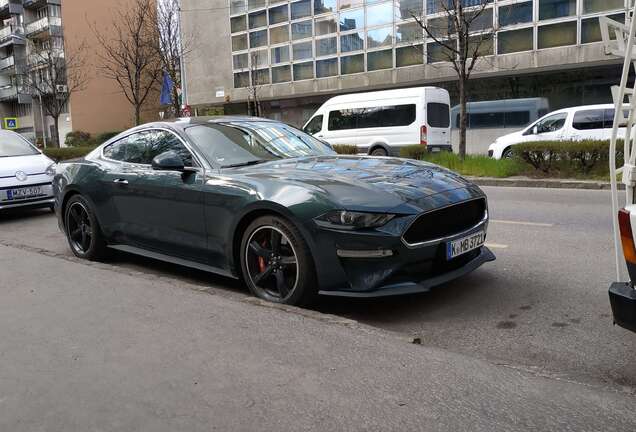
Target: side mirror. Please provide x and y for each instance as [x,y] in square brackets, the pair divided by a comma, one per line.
[168,161]
[535,130]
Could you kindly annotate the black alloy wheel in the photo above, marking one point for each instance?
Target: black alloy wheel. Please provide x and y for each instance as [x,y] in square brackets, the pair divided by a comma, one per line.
[82,230]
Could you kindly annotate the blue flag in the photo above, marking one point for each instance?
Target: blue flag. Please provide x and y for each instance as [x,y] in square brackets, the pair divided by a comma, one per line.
[166,90]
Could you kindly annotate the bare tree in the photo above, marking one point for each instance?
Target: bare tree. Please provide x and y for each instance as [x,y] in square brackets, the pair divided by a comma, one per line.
[55,72]
[173,45]
[129,54]
[462,36]
[253,103]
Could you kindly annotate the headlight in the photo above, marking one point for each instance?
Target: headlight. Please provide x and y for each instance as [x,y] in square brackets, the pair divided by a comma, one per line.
[50,170]
[343,219]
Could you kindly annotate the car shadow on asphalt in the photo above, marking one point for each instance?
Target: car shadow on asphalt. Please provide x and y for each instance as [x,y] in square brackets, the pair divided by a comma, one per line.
[12,215]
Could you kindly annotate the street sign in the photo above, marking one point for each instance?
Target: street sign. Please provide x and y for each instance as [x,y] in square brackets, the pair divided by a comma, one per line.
[10,123]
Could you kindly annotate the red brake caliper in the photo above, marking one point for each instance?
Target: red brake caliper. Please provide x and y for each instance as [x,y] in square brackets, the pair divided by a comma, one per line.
[262,265]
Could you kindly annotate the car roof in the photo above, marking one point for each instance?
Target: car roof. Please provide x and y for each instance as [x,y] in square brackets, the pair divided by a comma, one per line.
[184,122]
[583,107]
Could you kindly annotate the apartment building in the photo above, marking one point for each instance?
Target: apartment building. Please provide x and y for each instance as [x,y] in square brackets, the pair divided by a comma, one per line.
[302,52]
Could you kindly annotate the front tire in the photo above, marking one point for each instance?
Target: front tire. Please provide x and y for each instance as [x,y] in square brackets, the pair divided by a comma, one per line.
[507,153]
[82,230]
[276,262]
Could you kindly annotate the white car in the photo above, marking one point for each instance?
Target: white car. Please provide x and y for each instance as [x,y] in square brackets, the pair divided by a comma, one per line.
[26,175]
[568,124]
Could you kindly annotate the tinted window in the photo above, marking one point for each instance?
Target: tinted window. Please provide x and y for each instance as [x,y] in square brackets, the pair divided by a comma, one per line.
[588,119]
[552,123]
[130,149]
[438,114]
[608,120]
[142,147]
[158,142]
[14,145]
[485,120]
[383,116]
[314,126]
[516,118]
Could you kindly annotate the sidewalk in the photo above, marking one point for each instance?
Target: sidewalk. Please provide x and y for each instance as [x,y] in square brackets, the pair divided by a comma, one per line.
[520,181]
[84,347]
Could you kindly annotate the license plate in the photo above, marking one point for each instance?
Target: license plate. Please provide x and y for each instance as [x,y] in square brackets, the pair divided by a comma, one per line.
[435,149]
[24,193]
[460,246]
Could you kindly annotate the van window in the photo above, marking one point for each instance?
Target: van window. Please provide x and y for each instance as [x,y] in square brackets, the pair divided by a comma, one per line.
[382,116]
[314,126]
[588,119]
[516,118]
[438,114]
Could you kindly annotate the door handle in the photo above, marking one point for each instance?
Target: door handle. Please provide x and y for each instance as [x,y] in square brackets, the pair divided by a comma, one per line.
[121,181]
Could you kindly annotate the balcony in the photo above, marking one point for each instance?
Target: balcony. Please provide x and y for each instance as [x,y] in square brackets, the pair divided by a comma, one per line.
[6,63]
[35,60]
[11,34]
[8,8]
[12,92]
[36,4]
[42,25]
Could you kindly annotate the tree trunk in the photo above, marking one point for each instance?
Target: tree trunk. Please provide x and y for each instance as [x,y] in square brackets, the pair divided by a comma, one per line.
[56,131]
[463,118]
[137,115]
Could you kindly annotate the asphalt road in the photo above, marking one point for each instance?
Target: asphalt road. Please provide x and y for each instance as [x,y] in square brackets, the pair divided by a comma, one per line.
[541,307]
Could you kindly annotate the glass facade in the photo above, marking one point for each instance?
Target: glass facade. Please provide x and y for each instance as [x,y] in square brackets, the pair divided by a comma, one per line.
[312,39]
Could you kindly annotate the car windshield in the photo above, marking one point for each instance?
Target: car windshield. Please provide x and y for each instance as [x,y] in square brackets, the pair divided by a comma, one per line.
[15,145]
[239,143]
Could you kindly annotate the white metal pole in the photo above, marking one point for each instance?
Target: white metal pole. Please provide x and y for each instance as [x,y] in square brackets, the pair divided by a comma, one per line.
[42,119]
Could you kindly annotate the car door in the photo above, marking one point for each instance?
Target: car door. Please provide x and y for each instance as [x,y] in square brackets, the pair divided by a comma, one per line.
[171,212]
[550,128]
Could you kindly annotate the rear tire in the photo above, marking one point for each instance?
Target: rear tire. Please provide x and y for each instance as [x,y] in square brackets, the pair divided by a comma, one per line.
[276,262]
[83,233]
[379,151]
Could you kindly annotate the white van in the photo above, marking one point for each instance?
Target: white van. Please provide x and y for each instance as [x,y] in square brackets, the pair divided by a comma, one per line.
[568,124]
[381,122]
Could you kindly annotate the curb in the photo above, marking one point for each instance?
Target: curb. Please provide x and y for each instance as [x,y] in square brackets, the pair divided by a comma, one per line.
[543,183]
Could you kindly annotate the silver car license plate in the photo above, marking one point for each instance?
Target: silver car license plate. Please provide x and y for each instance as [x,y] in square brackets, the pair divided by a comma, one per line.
[460,246]
[24,193]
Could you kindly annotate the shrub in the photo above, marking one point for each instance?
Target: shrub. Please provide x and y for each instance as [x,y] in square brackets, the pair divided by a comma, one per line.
[78,139]
[413,152]
[345,149]
[62,154]
[474,165]
[105,136]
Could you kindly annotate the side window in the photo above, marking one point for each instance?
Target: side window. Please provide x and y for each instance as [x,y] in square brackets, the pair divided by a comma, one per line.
[159,141]
[516,118]
[552,123]
[588,119]
[131,149]
[341,119]
[314,126]
[437,114]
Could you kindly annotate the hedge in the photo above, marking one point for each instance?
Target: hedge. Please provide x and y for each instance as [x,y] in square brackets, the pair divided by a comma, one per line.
[415,151]
[345,149]
[78,139]
[66,153]
[105,136]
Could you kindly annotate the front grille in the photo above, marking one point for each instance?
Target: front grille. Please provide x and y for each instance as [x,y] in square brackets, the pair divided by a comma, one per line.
[446,221]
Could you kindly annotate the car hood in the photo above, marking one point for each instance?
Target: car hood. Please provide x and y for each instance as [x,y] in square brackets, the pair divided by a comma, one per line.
[30,165]
[364,183]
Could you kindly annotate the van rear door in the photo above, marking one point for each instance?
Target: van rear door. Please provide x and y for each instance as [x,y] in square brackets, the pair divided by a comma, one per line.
[437,118]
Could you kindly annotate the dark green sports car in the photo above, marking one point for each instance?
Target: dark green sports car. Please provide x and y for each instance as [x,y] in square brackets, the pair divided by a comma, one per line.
[260,200]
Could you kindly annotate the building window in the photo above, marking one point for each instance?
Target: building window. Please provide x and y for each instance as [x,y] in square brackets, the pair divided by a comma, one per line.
[326,68]
[255,4]
[301,30]
[258,19]
[300,9]
[591,6]
[439,27]
[261,77]
[549,9]
[436,52]
[352,42]
[515,14]
[324,6]
[380,37]
[259,58]
[302,51]
[258,38]
[278,14]
[482,45]
[346,4]
[240,61]
[326,46]
[409,55]
[326,26]
[303,71]
[481,22]
[352,64]
[239,42]
[380,14]
[238,24]
[405,9]
[241,79]
[237,6]
[515,41]
[408,32]
[555,35]
[379,60]
[281,74]
[352,20]
[591,31]
[279,34]
[280,54]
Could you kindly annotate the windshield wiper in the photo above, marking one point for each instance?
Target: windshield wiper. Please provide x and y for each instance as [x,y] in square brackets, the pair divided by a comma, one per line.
[252,162]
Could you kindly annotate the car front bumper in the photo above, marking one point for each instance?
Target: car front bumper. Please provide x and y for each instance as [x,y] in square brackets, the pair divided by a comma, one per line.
[45,200]
[622,297]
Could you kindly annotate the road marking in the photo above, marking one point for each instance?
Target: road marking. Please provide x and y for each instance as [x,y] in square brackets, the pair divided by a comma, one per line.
[496,246]
[509,222]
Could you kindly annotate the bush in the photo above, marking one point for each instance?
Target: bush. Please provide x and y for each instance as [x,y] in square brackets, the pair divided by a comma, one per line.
[78,139]
[62,154]
[413,152]
[105,136]
[478,166]
[345,149]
